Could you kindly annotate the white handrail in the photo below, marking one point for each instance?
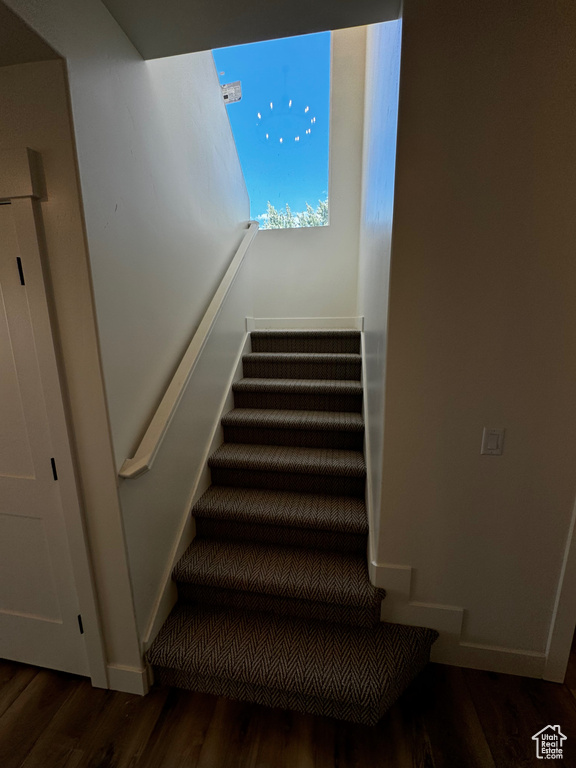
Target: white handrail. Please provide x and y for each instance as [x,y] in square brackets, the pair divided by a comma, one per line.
[146,452]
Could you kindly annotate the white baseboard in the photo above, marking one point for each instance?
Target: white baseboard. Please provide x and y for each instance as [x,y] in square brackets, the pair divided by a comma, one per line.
[279,323]
[450,648]
[128,679]
[167,595]
[491,658]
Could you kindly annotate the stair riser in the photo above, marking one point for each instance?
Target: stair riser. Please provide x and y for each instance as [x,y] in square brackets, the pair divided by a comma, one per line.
[289,481]
[230,530]
[260,369]
[356,616]
[344,345]
[269,697]
[290,401]
[298,438]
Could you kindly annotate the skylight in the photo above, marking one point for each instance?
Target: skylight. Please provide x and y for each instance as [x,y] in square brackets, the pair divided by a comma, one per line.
[281,125]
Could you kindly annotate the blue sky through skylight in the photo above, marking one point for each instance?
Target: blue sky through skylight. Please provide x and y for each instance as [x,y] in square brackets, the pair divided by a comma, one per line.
[281,125]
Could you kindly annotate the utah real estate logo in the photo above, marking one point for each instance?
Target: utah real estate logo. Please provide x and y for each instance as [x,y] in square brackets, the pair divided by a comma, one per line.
[549,743]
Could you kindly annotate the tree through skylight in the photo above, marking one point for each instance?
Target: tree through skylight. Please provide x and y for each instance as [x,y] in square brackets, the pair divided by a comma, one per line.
[281,126]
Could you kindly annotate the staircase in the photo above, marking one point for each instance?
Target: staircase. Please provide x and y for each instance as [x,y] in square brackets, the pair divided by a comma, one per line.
[274,601]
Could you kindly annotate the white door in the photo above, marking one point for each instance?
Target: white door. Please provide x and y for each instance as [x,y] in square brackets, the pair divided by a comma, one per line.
[39,615]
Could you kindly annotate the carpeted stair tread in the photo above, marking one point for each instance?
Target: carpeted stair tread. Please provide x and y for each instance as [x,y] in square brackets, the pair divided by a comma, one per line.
[285,536]
[292,572]
[295,427]
[274,458]
[346,514]
[299,394]
[307,340]
[326,470]
[295,333]
[259,654]
[304,386]
[297,420]
[302,365]
[343,330]
[313,610]
[304,357]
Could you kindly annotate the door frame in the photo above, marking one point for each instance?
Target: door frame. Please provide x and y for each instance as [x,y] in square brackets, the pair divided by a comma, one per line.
[563,621]
[21,184]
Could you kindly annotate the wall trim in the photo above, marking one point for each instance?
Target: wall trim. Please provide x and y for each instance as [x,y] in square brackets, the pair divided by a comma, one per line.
[492,658]
[128,679]
[448,620]
[167,596]
[272,323]
[368,498]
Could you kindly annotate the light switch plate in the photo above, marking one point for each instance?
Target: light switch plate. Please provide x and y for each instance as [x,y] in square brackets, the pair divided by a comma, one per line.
[492,441]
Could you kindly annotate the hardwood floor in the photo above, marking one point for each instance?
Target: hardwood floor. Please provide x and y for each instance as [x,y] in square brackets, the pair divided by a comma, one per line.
[449,718]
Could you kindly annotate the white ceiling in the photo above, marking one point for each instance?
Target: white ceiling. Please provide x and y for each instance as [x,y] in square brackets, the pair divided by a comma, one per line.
[18,43]
[169,27]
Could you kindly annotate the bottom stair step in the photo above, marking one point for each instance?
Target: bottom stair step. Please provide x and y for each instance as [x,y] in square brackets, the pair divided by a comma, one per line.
[350,673]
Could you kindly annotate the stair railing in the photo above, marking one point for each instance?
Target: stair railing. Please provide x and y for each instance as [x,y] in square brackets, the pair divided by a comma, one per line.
[146,452]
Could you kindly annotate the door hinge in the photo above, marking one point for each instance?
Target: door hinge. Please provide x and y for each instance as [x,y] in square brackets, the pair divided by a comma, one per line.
[54,469]
[20,270]
[80,625]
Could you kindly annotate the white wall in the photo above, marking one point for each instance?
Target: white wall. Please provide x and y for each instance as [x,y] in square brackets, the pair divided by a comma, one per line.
[313,272]
[164,198]
[380,124]
[157,505]
[171,166]
[482,316]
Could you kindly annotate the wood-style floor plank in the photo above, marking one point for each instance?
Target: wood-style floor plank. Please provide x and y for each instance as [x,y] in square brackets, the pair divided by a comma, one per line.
[411,741]
[232,738]
[180,730]
[25,720]
[285,739]
[325,751]
[507,719]
[14,678]
[122,725]
[512,709]
[465,745]
[60,742]
[448,718]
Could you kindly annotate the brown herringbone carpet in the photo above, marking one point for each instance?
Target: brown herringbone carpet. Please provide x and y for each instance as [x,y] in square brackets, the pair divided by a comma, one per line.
[275,605]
